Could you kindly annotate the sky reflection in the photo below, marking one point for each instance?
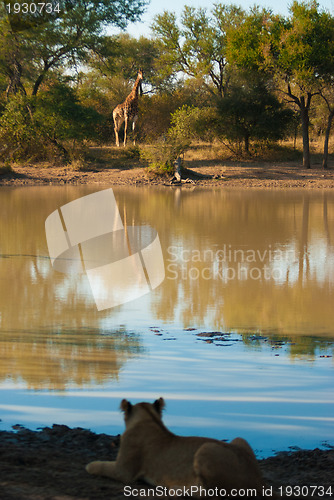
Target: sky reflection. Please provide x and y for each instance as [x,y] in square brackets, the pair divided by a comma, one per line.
[248,354]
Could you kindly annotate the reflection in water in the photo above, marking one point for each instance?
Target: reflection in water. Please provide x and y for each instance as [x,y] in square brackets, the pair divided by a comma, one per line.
[232,338]
[297,346]
[54,360]
[249,262]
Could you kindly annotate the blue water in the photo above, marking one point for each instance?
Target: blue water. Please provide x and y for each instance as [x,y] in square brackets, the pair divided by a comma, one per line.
[242,357]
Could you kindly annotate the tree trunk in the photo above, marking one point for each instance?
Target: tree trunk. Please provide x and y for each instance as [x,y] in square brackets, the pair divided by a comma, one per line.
[178,169]
[303,102]
[328,129]
[15,83]
[61,149]
[246,143]
[305,131]
[303,242]
[37,84]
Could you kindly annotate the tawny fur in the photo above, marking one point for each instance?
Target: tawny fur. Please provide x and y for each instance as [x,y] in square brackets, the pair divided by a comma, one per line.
[128,110]
[150,452]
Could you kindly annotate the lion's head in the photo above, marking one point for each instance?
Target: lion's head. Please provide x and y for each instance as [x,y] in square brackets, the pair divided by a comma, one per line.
[142,411]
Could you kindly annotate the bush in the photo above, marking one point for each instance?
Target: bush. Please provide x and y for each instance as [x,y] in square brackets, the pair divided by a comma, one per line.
[17,136]
[40,128]
[188,123]
[5,167]
[251,111]
[161,155]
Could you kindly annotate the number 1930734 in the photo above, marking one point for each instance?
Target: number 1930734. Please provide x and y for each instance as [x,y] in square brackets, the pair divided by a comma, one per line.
[33,8]
[306,491]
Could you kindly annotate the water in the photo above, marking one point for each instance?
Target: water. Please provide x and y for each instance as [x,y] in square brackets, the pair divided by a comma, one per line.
[238,338]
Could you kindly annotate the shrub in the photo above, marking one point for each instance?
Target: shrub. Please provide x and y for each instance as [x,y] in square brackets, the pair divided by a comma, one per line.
[17,136]
[40,128]
[188,123]
[161,155]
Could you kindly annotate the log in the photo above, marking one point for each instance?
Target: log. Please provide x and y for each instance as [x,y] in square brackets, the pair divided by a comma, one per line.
[177,179]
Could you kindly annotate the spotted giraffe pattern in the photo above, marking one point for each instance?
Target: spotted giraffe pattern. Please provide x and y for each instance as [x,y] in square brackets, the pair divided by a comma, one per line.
[128,110]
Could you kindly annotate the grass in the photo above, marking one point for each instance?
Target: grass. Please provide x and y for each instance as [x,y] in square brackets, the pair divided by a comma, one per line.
[113,157]
[284,151]
[200,154]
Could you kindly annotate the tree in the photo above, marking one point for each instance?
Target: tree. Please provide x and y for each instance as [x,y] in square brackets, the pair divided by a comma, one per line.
[35,50]
[209,47]
[58,116]
[123,55]
[298,53]
[252,111]
[325,69]
[30,50]
[303,51]
[197,48]
[327,95]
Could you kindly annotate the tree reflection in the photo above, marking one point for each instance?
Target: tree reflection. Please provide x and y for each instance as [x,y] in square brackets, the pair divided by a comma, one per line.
[296,294]
[54,361]
[52,334]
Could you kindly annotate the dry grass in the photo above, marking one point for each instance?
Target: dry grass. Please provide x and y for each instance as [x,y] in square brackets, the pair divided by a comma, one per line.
[210,154]
[200,154]
[113,157]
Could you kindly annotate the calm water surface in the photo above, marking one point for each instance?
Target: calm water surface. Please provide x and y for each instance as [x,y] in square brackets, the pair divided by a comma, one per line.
[238,338]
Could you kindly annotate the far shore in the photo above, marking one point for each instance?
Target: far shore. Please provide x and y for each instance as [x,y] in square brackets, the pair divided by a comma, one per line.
[229,174]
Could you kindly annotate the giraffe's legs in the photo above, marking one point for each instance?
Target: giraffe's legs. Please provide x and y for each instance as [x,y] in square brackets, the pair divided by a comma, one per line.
[125,129]
[116,134]
[133,128]
[117,125]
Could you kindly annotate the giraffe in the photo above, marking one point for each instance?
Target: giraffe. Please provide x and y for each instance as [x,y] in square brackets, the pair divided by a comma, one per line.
[128,110]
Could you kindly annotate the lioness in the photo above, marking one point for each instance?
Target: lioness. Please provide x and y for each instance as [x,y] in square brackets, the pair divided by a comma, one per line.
[149,451]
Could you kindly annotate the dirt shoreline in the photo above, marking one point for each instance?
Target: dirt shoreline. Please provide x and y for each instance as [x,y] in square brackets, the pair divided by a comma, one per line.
[229,175]
[49,464]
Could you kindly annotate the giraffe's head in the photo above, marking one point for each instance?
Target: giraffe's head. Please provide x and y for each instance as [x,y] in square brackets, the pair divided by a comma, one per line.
[140,78]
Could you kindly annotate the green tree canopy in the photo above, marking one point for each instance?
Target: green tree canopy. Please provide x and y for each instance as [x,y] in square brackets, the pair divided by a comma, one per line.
[197,47]
[122,55]
[252,111]
[28,54]
[297,52]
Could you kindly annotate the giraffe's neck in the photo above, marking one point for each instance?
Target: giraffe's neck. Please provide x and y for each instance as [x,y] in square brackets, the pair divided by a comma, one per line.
[135,90]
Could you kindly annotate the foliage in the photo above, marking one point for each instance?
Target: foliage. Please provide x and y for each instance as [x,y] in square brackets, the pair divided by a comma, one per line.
[187,124]
[16,132]
[28,55]
[304,45]
[190,123]
[197,47]
[5,167]
[156,110]
[297,52]
[59,114]
[38,126]
[226,73]
[252,111]
[248,42]
[41,111]
[161,155]
[122,56]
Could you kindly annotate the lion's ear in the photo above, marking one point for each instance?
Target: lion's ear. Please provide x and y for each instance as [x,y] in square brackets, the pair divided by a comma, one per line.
[159,405]
[126,406]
